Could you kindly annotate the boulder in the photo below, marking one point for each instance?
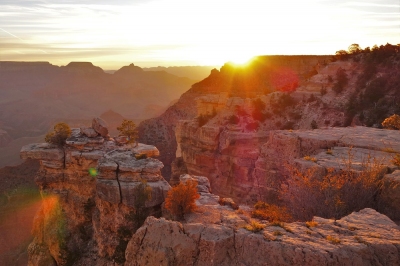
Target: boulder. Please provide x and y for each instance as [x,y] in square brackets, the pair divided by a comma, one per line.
[100,126]
[149,150]
[203,184]
[121,140]
[89,132]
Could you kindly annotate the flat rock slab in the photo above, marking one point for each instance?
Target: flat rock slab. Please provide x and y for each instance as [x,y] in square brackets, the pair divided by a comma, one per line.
[42,151]
[149,150]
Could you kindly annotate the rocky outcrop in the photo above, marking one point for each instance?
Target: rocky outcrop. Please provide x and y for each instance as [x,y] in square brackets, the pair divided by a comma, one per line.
[227,87]
[100,126]
[215,236]
[252,166]
[90,198]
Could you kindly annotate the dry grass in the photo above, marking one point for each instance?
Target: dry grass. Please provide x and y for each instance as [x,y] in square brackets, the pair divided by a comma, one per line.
[396,160]
[333,240]
[360,240]
[311,224]
[255,226]
[389,150]
[309,158]
[329,151]
[270,212]
[277,233]
[335,194]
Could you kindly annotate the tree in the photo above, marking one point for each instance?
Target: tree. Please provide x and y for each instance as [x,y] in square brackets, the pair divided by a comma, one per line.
[392,122]
[181,198]
[61,132]
[354,48]
[128,128]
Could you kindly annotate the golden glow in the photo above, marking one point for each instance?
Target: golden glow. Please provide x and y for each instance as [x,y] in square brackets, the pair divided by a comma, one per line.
[179,32]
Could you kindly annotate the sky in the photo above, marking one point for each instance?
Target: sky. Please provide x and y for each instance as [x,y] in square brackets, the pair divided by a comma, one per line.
[115,33]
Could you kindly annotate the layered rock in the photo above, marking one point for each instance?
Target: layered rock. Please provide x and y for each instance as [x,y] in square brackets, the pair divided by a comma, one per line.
[361,238]
[251,166]
[90,189]
[215,235]
[227,87]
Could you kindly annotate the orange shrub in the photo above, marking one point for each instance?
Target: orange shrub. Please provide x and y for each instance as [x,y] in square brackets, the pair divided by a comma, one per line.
[181,198]
[335,193]
[270,212]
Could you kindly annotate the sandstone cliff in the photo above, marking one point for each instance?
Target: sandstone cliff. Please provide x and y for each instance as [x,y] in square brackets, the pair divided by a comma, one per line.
[252,166]
[90,194]
[266,74]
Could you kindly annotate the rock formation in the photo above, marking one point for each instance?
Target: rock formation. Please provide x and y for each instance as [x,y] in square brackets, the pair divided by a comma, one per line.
[214,235]
[90,198]
[90,194]
[252,166]
[266,74]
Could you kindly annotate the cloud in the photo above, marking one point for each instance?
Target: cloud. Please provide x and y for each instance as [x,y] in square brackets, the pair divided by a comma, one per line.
[193,30]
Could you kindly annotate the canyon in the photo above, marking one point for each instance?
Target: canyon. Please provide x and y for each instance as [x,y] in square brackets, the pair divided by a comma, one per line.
[239,133]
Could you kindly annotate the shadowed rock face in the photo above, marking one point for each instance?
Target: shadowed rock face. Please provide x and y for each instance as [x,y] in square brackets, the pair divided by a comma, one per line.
[89,190]
[266,74]
[252,166]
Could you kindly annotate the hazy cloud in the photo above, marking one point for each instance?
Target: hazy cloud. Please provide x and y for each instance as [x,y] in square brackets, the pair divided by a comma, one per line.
[206,31]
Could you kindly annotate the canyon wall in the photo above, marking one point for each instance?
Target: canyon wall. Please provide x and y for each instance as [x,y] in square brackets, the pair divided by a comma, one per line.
[252,166]
[90,198]
[264,75]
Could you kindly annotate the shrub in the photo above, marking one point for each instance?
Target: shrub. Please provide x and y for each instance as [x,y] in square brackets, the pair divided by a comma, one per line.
[128,128]
[270,212]
[392,122]
[309,158]
[254,226]
[333,240]
[140,156]
[396,160]
[311,224]
[181,199]
[61,132]
[333,194]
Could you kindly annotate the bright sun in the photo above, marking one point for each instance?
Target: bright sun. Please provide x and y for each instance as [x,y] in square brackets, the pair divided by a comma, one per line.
[222,57]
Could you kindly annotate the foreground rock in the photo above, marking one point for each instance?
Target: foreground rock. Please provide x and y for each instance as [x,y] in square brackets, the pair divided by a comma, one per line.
[89,190]
[214,235]
[361,238]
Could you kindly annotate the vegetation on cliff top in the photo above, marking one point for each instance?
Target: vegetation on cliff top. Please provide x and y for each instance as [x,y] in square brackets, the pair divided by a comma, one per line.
[59,135]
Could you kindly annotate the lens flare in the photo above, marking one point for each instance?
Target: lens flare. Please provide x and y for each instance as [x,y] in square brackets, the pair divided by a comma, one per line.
[93,171]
